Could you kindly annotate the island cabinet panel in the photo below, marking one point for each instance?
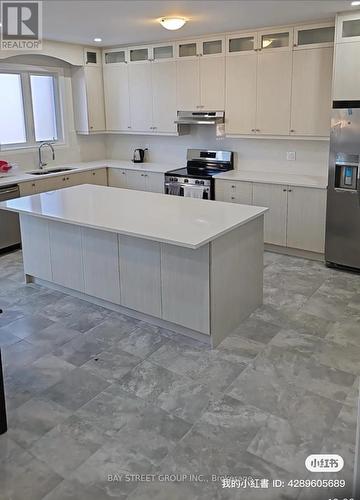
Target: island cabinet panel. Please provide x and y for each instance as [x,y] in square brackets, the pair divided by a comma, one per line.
[66,255]
[35,244]
[236,289]
[185,286]
[101,264]
[140,277]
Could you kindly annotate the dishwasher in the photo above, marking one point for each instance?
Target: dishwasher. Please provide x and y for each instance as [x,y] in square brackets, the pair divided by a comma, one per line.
[9,221]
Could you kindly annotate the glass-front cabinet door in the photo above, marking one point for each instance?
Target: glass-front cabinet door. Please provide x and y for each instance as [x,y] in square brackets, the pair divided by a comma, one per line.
[163,52]
[138,54]
[118,56]
[348,27]
[315,35]
[243,43]
[204,47]
[277,39]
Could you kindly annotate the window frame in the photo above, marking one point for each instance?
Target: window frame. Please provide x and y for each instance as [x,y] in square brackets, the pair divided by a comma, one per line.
[25,72]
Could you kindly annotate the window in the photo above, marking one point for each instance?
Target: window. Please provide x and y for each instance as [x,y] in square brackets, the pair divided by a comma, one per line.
[30,108]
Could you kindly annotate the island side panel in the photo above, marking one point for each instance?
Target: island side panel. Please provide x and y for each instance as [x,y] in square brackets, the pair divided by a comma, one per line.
[36,247]
[236,283]
[101,264]
[140,276]
[186,287]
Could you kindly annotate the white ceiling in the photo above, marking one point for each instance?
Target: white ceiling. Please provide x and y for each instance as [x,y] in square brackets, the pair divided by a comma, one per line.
[135,21]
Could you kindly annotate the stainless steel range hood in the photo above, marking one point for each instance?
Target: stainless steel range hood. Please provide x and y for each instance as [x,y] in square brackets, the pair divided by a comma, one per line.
[200,117]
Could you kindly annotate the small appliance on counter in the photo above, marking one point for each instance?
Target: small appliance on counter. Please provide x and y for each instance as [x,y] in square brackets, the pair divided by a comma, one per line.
[196,179]
[139,155]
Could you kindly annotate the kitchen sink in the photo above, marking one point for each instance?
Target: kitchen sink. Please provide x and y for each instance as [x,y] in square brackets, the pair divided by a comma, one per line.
[45,171]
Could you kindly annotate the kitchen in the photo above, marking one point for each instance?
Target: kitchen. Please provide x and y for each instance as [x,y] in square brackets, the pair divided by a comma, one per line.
[144,330]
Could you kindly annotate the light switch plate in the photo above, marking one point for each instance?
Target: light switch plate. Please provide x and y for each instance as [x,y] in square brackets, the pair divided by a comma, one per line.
[291,155]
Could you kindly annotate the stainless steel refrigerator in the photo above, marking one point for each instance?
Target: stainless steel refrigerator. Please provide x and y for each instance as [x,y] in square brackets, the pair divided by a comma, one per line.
[342,244]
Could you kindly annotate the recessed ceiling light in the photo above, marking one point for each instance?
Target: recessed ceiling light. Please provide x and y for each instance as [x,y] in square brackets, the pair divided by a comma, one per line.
[172,23]
[355,3]
[98,40]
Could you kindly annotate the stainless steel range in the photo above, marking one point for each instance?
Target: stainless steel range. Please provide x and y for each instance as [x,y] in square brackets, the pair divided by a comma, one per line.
[196,179]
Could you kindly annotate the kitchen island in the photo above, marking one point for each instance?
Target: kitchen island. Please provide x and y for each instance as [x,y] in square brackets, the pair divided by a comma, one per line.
[193,266]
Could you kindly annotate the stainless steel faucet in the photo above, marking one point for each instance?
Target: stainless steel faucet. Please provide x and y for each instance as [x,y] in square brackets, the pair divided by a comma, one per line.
[41,163]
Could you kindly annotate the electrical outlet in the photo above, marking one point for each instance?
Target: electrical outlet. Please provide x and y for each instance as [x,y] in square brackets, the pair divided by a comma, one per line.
[291,155]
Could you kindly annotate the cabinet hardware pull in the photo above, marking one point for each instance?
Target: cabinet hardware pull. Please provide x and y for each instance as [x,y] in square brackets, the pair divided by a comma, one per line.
[253,130]
[232,198]
[257,130]
[93,173]
[33,185]
[292,130]
[233,186]
[290,190]
[284,190]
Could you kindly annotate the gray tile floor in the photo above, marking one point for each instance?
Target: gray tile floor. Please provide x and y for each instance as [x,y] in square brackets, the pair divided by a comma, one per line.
[92,393]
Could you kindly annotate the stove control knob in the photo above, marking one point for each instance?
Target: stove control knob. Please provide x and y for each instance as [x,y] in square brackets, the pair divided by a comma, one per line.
[186,180]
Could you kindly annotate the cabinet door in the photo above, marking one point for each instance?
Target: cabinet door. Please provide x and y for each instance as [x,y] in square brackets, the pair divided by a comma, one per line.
[164,96]
[273,92]
[347,72]
[188,84]
[212,82]
[311,92]
[140,97]
[154,182]
[95,98]
[233,191]
[273,197]
[348,27]
[136,180]
[306,218]
[98,177]
[117,178]
[240,107]
[117,105]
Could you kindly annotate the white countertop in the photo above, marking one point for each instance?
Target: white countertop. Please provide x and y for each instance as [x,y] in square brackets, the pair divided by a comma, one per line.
[22,176]
[274,178]
[175,220]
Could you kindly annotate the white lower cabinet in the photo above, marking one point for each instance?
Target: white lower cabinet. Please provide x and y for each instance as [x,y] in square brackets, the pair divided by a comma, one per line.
[135,179]
[306,218]
[234,192]
[296,216]
[67,179]
[274,197]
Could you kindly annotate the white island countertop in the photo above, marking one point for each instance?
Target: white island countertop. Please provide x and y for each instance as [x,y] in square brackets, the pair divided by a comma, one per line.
[274,178]
[175,220]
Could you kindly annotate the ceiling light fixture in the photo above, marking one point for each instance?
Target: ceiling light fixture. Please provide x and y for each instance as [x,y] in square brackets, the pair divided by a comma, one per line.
[356,3]
[172,23]
[97,40]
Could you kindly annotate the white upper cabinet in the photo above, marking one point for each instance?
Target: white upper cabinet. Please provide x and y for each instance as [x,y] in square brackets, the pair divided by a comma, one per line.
[139,54]
[348,27]
[140,91]
[347,72]
[201,74]
[115,57]
[88,99]
[164,95]
[347,57]
[275,40]
[92,56]
[188,84]
[241,43]
[117,98]
[311,92]
[274,92]
[212,83]
[240,107]
[314,35]
[163,52]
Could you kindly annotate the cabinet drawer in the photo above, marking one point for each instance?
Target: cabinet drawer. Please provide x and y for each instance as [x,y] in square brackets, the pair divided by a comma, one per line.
[234,191]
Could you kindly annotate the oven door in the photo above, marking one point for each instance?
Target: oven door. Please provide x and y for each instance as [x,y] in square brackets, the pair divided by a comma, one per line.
[177,189]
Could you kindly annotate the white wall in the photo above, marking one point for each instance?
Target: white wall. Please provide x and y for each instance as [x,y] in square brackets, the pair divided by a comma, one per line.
[250,154]
[77,147]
